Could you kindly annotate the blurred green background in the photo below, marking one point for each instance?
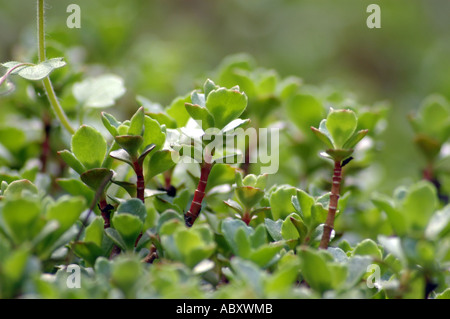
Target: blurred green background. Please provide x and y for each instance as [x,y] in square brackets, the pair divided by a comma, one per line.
[166,48]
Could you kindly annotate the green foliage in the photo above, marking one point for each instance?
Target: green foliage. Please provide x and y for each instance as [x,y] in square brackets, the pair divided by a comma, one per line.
[112,202]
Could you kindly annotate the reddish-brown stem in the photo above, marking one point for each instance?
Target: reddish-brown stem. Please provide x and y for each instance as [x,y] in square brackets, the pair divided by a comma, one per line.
[334,198]
[247,218]
[140,183]
[140,188]
[167,179]
[105,209]
[191,215]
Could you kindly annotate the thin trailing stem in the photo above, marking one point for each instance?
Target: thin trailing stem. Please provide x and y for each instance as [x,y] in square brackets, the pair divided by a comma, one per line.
[46,81]
[332,208]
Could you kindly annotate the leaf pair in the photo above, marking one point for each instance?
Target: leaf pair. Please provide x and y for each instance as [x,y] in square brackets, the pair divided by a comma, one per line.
[338,133]
[217,106]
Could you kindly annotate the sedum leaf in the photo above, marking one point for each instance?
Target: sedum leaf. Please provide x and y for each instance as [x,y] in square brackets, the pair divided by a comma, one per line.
[341,124]
[99,92]
[89,146]
[225,105]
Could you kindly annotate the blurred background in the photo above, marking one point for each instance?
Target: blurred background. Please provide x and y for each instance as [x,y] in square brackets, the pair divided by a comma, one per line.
[166,48]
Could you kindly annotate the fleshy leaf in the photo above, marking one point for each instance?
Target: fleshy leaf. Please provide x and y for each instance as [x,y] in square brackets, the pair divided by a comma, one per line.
[96,176]
[89,146]
[341,124]
[200,114]
[72,161]
[225,105]
[99,92]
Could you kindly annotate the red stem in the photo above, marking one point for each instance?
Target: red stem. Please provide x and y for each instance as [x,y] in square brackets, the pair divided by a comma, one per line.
[140,187]
[191,215]
[140,183]
[247,218]
[334,198]
[106,213]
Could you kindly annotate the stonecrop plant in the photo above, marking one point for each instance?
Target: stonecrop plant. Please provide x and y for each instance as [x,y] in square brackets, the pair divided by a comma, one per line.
[155,201]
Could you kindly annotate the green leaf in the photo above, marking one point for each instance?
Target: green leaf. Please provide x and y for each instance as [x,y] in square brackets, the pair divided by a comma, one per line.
[38,71]
[192,246]
[420,204]
[439,224]
[134,207]
[201,115]
[444,295]
[153,133]
[12,138]
[341,124]
[274,228]
[110,123]
[94,178]
[122,155]
[315,270]
[89,147]
[249,196]
[116,238]
[355,139]
[304,111]
[323,137]
[72,161]
[130,143]
[396,218]
[229,230]
[265,254]
[137,122]
[178,111]
[66,211]
[242,243]
[225,105]
[280,201]
[131,188]
[129,228]
[88,251]
[145,153]
[99,92]
[305,202]
[234,205]
[19,215]
[368,247]
[94,231]
[20,188]
[160,162]
[339,154]
[220,174]
[288,229]
[233,125]
[208,87]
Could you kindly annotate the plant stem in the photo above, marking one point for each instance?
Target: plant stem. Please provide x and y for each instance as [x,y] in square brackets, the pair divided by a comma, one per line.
[47,83]
[140,188]
[140,182]
[105,208]
[334,198]
[192,214]
[247,218]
